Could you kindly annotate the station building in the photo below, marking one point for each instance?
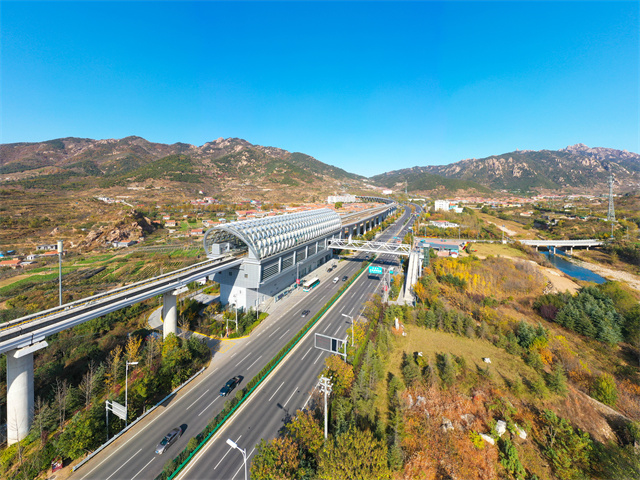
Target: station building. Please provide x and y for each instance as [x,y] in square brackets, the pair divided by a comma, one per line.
[277,250]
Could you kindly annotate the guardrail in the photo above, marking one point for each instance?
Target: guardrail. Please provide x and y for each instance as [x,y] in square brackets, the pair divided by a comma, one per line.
[126,429]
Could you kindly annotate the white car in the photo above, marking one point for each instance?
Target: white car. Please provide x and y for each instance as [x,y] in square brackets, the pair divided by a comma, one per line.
[336,280]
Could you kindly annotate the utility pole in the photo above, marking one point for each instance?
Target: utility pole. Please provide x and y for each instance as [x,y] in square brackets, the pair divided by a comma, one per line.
[325,387]
[60,250]
[611,214]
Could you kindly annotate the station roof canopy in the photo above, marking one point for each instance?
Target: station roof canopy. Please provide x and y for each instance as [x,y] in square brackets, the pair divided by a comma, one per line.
[269,236]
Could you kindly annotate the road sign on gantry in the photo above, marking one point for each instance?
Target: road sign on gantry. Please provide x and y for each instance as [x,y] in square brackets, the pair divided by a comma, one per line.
[329,344]
[117,408]
[375,270]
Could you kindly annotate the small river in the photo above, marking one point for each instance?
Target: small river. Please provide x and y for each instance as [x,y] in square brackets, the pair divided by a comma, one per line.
[571,269]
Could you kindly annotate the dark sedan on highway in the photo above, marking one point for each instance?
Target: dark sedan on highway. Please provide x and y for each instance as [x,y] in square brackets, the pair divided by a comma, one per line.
[168,440]
[230,385]
[304,313]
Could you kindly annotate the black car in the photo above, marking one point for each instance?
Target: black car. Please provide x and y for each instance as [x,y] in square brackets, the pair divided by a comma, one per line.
[168,440]
[230,385]
[344,279]
[304,313]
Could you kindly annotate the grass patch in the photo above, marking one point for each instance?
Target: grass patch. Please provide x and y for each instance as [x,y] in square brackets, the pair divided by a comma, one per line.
[504,367]
[496,249]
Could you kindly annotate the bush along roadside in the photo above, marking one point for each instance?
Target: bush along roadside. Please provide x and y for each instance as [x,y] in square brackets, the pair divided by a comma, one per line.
[173,467]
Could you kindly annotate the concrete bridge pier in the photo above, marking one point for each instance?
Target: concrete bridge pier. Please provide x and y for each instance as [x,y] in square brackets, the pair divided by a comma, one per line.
[20,391]
[169,314]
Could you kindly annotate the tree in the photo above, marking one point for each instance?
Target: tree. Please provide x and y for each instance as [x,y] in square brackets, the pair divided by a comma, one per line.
[354,455]
[604,389]
[410,369]
[568,449]
[306,431]
[88,383]
[132,348]
[61,395]
[509,459]
[113,366]
[557,380]
[275,460]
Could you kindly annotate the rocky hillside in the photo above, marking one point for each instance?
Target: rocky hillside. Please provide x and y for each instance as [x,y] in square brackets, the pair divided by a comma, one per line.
[418,180]
[573,168]
[229,166]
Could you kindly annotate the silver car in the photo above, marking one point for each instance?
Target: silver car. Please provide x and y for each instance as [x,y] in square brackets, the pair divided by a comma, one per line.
[168,440]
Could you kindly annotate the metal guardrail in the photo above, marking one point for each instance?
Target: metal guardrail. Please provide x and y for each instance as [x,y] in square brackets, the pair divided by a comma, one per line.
[127,428]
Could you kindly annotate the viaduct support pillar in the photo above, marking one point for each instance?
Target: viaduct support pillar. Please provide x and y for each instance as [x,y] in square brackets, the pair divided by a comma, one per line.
[169,314]
[20,391]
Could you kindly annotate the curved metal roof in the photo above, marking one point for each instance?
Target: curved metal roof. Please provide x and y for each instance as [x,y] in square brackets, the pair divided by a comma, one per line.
[268,236]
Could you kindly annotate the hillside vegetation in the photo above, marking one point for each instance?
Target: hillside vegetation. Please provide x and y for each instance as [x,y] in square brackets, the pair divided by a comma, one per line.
[420,401]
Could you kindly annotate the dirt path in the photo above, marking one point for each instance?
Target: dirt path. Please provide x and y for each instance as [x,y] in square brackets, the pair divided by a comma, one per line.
[560,282]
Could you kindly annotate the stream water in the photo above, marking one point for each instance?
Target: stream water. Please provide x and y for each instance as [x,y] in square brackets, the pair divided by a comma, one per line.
[580,273]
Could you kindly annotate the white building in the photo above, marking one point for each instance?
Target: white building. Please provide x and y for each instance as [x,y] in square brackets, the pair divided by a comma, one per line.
[442,205]
[341,198]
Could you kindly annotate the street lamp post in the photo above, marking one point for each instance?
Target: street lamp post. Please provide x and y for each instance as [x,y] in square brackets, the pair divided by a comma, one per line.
[233,444]
[60,250]
[126,392]
[353,331]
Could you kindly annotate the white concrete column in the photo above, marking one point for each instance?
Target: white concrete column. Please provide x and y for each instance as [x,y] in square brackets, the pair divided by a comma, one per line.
[20,391]
[169,314]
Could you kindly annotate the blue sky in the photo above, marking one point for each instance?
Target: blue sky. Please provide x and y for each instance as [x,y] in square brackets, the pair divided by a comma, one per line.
[366,86]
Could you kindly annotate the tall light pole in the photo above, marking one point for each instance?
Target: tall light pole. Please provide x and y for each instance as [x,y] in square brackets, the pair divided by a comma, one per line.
[233,444]
[60,250]
[126,392]
[353,332]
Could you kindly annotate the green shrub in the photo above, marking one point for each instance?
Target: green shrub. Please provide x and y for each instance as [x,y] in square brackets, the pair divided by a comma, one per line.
[605,390]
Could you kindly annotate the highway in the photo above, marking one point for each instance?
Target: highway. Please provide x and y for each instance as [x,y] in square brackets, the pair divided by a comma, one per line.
[133,456]
[289,388]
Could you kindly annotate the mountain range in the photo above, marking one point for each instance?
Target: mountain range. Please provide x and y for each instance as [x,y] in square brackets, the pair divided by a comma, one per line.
[574,168]
[237,168]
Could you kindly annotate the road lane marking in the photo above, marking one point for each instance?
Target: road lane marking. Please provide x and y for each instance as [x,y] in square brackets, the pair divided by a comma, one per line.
[233,355]
[254,362]
[143,468]
[243,359]
[198,399]
[208,406]
[326,328]
[310,348]
[337,330]
[123,464]
[274,331]
[280,338]
[274,393]
[318,358]
[242,464]
[294,391]
[230,448]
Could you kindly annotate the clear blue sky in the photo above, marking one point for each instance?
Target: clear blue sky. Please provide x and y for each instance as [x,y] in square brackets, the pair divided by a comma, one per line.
[366,86]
